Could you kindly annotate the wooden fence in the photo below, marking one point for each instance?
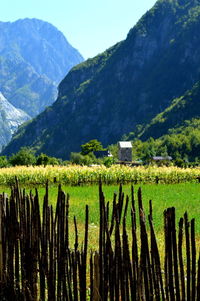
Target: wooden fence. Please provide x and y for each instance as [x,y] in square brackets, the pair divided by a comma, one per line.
[37,262]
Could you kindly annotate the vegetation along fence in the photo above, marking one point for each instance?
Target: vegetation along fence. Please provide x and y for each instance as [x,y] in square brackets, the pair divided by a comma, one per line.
[37,262]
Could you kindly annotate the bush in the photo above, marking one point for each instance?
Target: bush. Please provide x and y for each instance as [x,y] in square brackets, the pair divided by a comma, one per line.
[25,156]
[108,161]
[180,162]
[3,162]
[77,158]
[45,160]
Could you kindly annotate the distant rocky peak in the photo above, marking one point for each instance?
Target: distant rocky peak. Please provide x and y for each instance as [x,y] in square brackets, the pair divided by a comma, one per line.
[2,98]
[10,119]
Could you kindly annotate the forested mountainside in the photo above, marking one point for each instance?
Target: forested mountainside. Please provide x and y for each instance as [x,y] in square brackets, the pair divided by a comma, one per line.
[182,143]
[34,58]
[183,108]
[129,84]
[10,119]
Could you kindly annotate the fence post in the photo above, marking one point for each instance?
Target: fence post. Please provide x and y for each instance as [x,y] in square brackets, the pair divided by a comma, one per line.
[1,240]
[96,277]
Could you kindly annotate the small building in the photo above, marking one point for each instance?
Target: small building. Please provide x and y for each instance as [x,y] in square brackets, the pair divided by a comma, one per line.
[161,158]
[125,151]
[102,154]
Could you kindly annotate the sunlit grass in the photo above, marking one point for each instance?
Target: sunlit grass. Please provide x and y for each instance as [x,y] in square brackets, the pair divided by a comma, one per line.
[184,197]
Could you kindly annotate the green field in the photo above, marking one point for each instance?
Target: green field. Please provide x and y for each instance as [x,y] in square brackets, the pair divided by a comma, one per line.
[183,196]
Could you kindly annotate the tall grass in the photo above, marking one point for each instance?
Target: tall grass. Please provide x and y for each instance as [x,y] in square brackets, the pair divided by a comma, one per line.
[183,196]
[76,175]
[42,257]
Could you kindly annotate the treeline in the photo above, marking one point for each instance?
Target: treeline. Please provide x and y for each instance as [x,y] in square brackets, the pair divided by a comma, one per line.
[26,156]
[182,144]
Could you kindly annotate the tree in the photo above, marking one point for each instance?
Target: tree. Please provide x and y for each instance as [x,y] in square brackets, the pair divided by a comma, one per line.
[77,158]
[25,156]
[3,161]
[43,159]
[91,146]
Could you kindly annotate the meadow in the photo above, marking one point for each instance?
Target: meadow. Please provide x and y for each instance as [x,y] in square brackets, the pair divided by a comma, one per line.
[183,196]
[165,186]
[175,187]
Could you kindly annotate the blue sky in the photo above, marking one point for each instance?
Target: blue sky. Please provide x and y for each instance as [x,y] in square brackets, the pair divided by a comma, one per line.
[91,26]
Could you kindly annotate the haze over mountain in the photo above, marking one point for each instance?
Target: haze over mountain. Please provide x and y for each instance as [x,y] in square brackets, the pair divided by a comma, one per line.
[34,58]
[129,84]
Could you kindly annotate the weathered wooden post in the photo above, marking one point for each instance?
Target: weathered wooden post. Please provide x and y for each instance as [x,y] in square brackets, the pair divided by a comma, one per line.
[1,241]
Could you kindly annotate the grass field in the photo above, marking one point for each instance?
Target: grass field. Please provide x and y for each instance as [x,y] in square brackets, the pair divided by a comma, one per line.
[176,187]
[183,196]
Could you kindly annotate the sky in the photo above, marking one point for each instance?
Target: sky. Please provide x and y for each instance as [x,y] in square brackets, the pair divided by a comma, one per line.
[91,26]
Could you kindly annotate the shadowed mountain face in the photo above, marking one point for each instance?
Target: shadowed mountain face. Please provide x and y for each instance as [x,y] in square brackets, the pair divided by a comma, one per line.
[184,108]
[129,84]
[34,58]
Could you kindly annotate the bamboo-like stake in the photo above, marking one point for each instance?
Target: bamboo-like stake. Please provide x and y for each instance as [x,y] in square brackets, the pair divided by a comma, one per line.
[1,238]
[175,255]
[180,255]
[193,247]
[187,238]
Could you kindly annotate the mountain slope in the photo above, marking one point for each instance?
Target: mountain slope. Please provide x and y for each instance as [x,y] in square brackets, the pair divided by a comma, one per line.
[34,57]
[182,143]
[183,108]
[132,82]
[10,119]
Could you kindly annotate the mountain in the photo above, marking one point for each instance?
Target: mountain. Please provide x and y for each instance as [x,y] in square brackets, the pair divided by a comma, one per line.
[174,132]
[10,119]
[186,107]
[34,58]
[129,84]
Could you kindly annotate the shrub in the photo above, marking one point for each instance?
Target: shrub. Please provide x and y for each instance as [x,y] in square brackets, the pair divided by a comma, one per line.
[43,159]
[3,161]
[25,156]
[108,161]
[79,159]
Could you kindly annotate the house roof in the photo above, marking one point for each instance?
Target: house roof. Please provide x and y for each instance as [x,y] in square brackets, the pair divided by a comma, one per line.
[125,144]
[158,158]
